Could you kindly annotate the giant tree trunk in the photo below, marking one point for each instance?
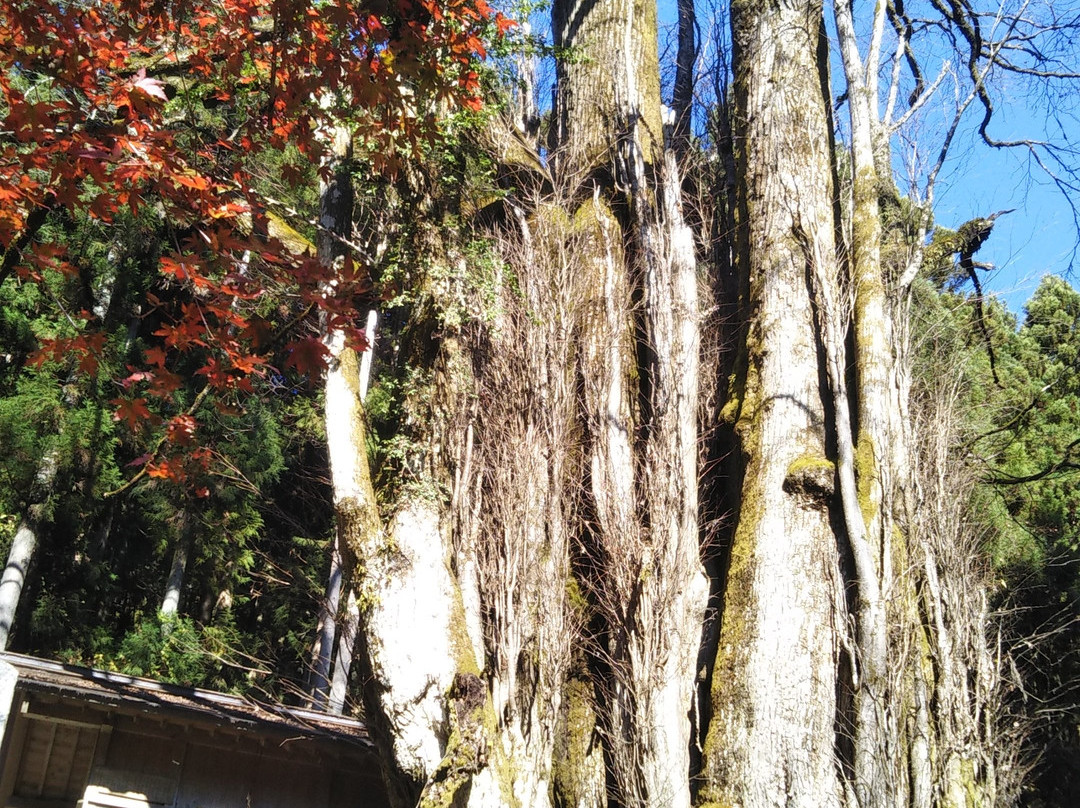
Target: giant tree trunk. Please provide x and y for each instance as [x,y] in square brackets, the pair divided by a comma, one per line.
[640,380]
[774,700]
[532,612]
[831,644]
[566,428]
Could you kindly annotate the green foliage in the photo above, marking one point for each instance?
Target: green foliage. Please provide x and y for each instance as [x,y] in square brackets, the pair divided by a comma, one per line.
[257,512]
[254,576]
[167,647]
[1036,456]
[1023,439]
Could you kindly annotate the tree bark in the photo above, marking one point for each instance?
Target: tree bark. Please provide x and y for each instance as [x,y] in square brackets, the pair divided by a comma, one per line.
[640,377]
[531,616]
[327,629]
[170,604]
[774,702]
[21,554]
[682,100]
[881,460]
[346,648]
[330,690]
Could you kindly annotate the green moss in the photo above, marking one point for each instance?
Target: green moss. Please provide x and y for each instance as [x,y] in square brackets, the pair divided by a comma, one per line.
[810,463]
[550,218]
[728,688]
[466,748]
[937,262]
[811,476]
[573,744]
[868,482]
[729,413]
[866,231]
[594,218]
[460,641]
[575,598]
[293,241]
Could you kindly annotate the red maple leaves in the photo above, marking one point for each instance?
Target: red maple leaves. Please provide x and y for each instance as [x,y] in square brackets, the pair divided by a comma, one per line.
[89,122]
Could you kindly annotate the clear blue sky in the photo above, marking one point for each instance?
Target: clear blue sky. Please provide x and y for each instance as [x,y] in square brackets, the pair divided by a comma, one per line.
[1038,238]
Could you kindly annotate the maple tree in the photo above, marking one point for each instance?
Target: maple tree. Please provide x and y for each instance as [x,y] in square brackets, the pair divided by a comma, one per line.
[103,113]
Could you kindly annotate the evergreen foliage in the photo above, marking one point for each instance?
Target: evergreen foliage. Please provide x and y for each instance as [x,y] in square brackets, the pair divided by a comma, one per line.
[1022,438]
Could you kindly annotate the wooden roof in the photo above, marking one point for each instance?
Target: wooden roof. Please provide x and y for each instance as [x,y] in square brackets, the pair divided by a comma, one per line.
[132,695]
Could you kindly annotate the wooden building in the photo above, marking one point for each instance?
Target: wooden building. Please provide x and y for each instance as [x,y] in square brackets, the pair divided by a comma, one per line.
[73,736]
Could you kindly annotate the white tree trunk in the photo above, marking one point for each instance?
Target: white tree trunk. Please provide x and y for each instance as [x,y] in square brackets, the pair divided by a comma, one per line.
[771,741]
[174,587]
[410,607]
[343,660]
[329,690]
[23,547]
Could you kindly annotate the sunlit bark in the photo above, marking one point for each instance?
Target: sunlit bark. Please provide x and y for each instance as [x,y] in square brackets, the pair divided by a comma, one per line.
[774,708]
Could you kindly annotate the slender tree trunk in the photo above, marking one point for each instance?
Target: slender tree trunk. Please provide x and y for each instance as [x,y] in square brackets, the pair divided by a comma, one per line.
[327,629]
[350,627]
[21,554]
[682,101]
[335,224]
[879,775]
[23,547]
[174,586]
[341,575]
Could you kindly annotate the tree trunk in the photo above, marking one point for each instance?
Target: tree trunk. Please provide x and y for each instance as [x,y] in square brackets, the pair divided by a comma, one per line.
[425,704]
[23,547]
[327,629]
[532,615]
[878,779]
[346,648]
[774,702]
[326,690]
[170,604]
[469,609]
[682,101]
[640,376]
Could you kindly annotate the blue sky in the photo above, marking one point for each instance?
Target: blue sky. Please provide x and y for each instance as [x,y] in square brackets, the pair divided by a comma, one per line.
[1039,237]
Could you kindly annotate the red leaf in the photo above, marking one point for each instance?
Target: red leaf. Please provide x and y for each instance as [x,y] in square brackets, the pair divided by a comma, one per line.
[182,430]
[152,88]
[155,356]
[132,411]
[503,24]
[308,355]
